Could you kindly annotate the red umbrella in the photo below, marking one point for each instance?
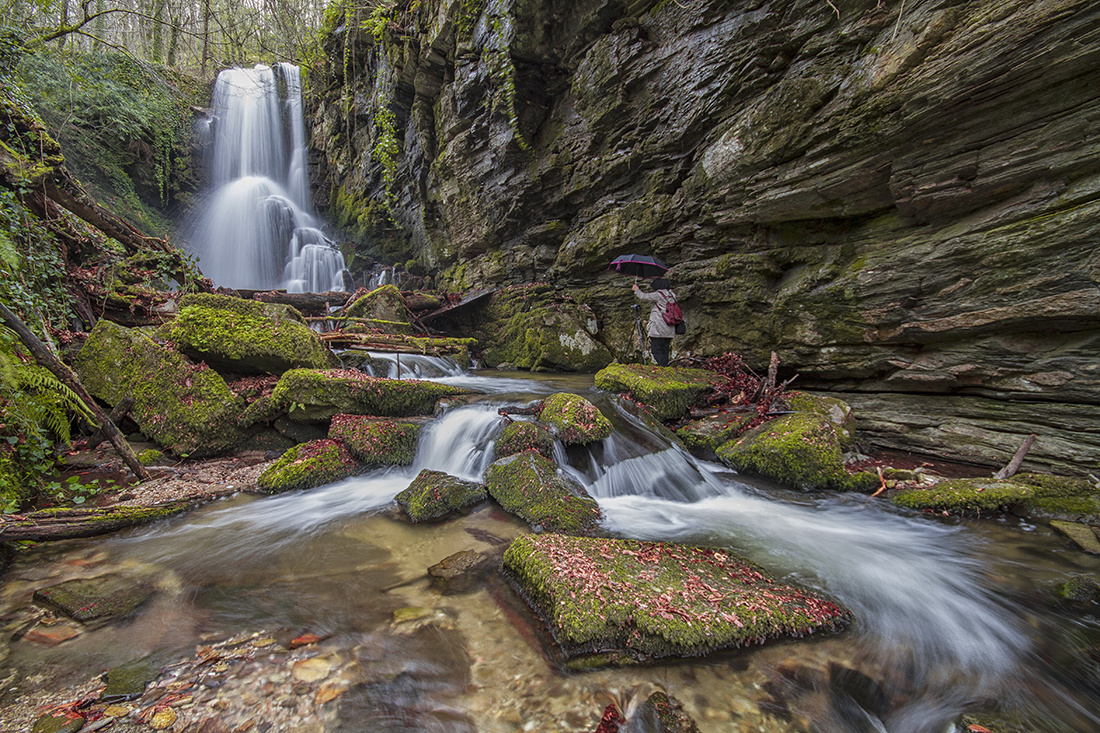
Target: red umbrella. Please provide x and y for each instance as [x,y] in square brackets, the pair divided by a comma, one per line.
[638,265]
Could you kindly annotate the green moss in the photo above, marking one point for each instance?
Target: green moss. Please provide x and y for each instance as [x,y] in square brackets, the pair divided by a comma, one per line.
[246,335]
[529,486]
[966,496]
[836,411]
[573,419]
[376,441]
[652,600]
[710,432]
[800,450]
[150,456]
[1080,588]
[667,391]
[313,395]
[308,465]
[435,495]
[385,307]
[517,437]
[186,408]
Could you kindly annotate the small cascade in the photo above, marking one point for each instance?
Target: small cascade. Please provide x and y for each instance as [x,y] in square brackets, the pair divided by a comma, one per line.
[256,230]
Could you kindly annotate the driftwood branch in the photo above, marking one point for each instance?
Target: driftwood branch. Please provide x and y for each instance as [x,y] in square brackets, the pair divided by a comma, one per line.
[46,358]
[117,414]
[1014,465]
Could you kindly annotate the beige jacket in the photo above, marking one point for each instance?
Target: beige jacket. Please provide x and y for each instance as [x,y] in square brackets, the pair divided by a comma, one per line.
[657,328]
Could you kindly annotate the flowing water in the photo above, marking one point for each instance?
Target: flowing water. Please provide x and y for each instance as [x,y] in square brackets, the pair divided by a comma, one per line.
[256,229]
[949,617]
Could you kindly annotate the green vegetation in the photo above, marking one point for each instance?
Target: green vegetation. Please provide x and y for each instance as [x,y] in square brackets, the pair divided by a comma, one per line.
[35,410]
[1034,494]
[667,391]
[517,437]
[125,127]
[315,395]
[376,441]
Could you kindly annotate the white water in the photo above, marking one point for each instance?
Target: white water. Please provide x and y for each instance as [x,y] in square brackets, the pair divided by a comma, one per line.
[916,589]
[256,229]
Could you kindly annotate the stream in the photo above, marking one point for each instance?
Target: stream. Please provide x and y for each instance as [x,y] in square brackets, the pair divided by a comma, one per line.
[950,616]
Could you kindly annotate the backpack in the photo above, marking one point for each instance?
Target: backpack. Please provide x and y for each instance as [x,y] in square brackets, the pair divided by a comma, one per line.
[672,314]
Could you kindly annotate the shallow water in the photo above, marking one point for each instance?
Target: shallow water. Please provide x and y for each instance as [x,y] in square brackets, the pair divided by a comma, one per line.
[951,617]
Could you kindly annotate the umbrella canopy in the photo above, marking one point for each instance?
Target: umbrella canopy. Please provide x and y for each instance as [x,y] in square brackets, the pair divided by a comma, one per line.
[638,265]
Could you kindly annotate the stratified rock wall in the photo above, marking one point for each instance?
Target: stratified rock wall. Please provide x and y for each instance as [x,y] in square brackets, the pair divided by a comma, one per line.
[897,197]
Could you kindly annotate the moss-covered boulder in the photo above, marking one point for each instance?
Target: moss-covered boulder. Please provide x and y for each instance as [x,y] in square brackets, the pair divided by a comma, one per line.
[573,419]
[382,308]
[626,600]
[376,441]
[836,411]
[1080,589]
[802,451]
[308,465]
[185,407]
[517,437]
[435,495]
[668,392]
[249,336]
[88,599]
[316,395]
[533,327]
[1039,496]
[529,486]
[966,495]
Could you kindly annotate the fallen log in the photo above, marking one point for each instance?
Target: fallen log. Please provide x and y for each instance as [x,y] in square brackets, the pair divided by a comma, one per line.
[64,524]
[305,303]
[117,414]
[46,358]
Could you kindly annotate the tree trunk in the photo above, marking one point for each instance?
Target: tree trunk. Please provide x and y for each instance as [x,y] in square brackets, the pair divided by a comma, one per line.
[66,524]
[46,358]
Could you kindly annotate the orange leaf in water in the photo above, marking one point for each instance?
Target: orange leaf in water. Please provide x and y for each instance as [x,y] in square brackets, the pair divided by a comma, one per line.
[975,728]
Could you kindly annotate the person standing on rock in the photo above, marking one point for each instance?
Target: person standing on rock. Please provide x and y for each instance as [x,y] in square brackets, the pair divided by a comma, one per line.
[660,333]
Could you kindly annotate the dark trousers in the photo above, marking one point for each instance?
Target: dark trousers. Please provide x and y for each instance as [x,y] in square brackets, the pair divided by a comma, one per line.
[660,349]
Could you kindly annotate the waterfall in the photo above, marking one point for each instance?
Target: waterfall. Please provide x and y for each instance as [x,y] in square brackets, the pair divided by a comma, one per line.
[256,229]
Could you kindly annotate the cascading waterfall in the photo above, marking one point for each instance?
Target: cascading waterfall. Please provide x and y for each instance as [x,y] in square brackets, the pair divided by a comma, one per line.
[256,230]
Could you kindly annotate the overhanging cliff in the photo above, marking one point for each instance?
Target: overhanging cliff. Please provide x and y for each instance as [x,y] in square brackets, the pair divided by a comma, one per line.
[900,198]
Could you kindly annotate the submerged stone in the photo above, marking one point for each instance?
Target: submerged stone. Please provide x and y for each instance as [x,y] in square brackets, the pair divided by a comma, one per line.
[1081,534]
[460,572]
[246,335]
[667,391]
[574,420]
[435,495]
[308,465]
[376,441]
[529,486]
[662,714]
[186,408]
[57,724]
[517,437]
[316,395]
[802,451]
[108,596]
[651,600]
[128,681]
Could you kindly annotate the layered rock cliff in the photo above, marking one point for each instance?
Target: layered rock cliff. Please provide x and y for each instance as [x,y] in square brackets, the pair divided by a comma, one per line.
[902,199]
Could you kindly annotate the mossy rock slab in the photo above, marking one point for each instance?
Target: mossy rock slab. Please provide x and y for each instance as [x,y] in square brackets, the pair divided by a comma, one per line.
[966,496]
[533,327]
[573,419]
[128,681]
[801,450]
[462,571]
[1080,589]
[517,437]
[316,395]
[108,596]
[57,724]
[835,410]
[1061,497]
[434,495]
[709,432]
[384,308]
[1081,534]
[247,336]
[668,392]
[186,408]
[529,486]
[652,600]
[308,465]
[376,441]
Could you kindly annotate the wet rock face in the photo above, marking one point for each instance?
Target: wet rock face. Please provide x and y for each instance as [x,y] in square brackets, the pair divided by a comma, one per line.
[895,195]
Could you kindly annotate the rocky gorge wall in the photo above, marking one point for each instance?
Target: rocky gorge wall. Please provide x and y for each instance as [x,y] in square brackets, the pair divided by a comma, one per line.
[902,199]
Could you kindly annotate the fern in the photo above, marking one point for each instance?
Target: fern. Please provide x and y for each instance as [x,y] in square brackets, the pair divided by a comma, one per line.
[34,397]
